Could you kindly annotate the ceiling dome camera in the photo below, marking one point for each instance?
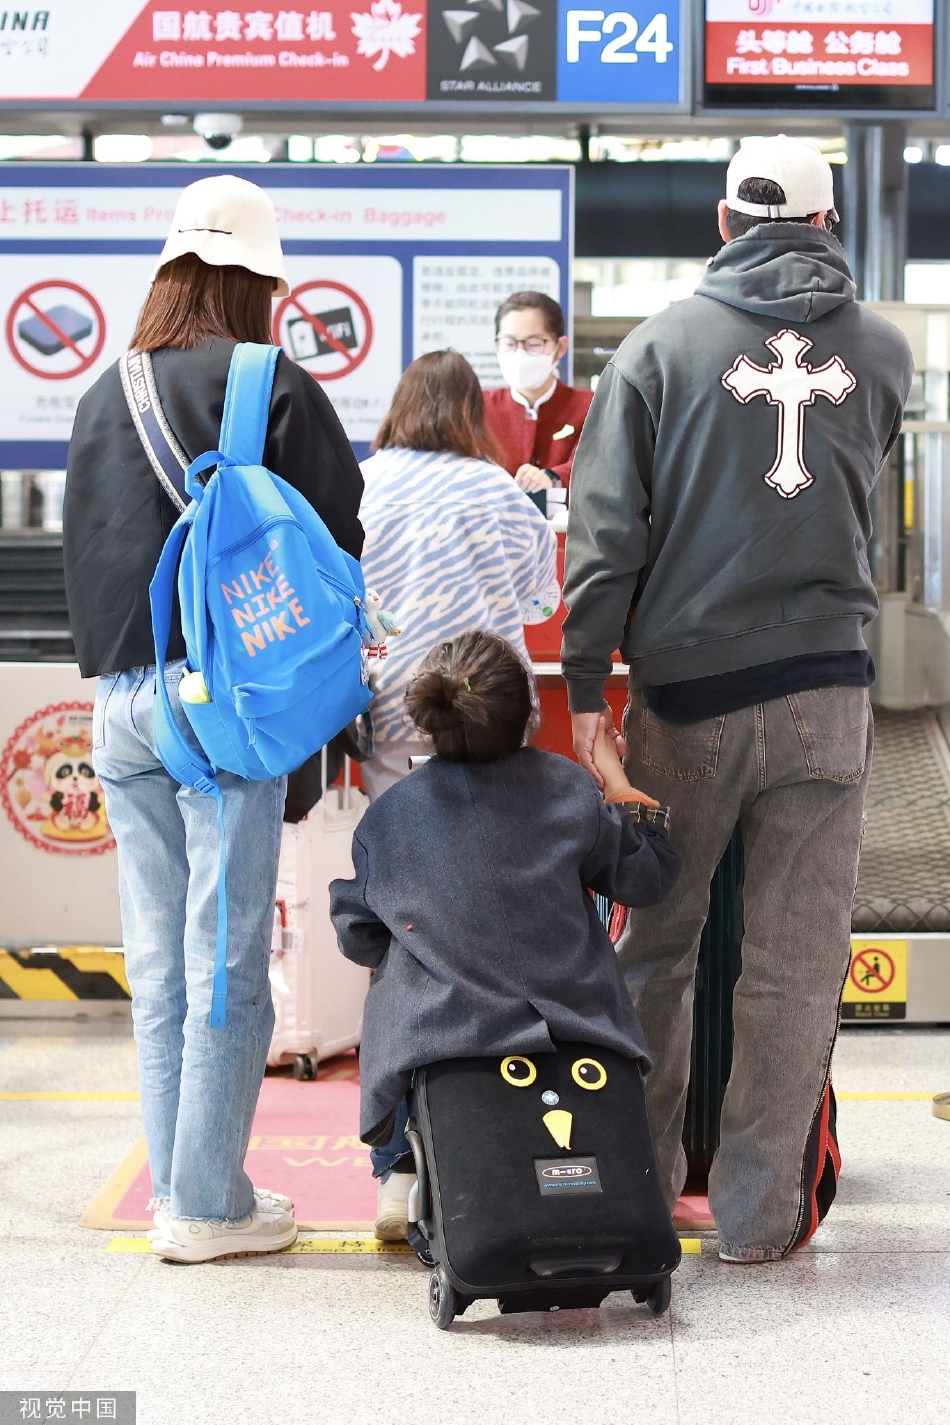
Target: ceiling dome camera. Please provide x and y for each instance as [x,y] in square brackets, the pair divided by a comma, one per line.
[218,130]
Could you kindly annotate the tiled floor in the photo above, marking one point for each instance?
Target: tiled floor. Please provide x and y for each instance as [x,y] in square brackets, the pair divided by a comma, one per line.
[854,1329]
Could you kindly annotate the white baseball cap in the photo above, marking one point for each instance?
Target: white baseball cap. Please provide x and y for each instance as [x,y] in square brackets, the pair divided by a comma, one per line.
[227,222]
[803,174]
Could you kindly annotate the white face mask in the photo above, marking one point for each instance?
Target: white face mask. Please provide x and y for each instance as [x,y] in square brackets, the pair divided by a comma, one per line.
[525,370]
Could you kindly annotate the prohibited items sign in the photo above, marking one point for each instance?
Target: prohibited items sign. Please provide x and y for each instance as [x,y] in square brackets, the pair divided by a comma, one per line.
[55,330]
[876,987]
[326,328]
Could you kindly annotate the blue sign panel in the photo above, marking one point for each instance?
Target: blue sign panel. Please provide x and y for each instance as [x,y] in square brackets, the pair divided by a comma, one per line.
[385,262]
[630,53]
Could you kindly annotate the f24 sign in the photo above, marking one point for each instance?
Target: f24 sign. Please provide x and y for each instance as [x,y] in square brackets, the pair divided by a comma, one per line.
[624,55]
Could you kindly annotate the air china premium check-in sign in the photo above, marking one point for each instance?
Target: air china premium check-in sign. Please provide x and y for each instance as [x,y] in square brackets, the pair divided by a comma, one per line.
[845,54]
[367,51]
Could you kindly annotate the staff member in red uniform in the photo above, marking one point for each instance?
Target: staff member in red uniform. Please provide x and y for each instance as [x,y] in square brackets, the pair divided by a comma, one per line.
[535,418]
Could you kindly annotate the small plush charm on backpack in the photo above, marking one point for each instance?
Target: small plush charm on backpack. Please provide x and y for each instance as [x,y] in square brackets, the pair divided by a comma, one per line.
[382,625]
[193,689]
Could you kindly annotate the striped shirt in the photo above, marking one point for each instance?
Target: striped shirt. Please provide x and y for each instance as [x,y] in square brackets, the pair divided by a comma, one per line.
[452,544]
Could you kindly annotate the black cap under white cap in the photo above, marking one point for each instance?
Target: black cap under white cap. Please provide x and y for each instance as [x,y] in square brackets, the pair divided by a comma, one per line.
[803,174]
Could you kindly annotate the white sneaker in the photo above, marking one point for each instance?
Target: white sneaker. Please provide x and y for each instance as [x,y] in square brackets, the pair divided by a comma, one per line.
[263,1230]
[266,1200]
[392,1207]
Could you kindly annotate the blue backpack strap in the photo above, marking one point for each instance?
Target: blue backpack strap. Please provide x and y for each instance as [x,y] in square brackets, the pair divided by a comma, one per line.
[247,402]
[179,758]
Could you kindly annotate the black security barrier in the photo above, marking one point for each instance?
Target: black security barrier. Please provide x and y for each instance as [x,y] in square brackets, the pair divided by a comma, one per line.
[669,209]
[34,626]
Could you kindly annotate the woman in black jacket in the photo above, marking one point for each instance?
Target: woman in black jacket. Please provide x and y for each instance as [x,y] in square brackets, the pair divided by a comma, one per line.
[218,273]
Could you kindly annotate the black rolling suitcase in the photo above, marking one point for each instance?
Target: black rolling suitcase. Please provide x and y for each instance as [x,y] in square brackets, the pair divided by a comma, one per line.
[720,962]
[538,1184]
[717,970]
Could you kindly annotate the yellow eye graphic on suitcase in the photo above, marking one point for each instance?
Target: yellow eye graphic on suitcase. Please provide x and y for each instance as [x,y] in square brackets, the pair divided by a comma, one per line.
[518,1072]
[588,1074]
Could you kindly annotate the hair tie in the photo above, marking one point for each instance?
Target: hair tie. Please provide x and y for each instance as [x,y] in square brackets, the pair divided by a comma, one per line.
[468,686]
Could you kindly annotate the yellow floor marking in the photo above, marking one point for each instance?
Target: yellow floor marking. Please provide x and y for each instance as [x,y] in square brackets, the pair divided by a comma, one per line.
[76,1097]
[334,1246]
[32,983]
[309,1245]
[101,1211]
[884,1097]
[363,1245]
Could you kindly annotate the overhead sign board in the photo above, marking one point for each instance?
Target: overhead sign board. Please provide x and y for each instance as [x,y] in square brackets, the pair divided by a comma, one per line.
[875,55]
[403,52]
[384,264]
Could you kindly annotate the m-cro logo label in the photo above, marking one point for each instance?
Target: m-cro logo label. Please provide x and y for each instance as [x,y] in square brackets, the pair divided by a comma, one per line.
[573,1171]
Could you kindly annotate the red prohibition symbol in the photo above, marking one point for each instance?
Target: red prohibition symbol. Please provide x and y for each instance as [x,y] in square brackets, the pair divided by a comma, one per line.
[872,971]
[293,303]
[84,359]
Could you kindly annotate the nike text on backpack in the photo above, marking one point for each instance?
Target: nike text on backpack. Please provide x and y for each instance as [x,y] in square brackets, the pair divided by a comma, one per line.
[271,608]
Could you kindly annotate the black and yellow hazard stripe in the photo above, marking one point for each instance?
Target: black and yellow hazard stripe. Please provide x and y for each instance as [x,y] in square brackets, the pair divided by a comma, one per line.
[67,973]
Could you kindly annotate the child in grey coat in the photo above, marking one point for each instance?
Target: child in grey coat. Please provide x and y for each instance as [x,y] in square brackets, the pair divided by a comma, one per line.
[471,896]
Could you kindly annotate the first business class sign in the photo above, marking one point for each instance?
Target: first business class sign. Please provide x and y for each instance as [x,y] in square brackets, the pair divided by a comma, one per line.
[365,51]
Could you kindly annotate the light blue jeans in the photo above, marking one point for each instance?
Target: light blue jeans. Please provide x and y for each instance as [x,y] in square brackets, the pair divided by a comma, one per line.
[199,1085]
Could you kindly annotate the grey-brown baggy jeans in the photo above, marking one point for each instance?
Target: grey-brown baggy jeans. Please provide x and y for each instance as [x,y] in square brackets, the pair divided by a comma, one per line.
[793,773]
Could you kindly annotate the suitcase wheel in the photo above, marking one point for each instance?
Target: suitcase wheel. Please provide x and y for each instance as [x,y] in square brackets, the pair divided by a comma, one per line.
[656,1297]
[305,1067]
[444,1304]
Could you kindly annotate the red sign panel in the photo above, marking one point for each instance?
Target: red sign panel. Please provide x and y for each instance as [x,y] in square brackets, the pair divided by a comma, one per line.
[823,46]
[357,50]
[819,54]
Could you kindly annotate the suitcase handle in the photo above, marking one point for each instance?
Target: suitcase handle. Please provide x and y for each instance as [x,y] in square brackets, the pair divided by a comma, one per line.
[593,1265]
[422,1180]
[347,800]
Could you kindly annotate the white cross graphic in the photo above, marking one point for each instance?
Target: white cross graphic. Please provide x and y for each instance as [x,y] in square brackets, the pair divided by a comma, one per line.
[791,386]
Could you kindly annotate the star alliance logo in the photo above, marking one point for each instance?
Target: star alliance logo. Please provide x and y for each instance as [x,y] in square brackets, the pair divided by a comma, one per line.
[476,55]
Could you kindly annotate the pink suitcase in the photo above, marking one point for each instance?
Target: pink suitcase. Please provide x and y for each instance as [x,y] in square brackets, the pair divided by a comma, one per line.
[318,996]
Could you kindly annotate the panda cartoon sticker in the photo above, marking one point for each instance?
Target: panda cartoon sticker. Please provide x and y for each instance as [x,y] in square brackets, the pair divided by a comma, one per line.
[48,785]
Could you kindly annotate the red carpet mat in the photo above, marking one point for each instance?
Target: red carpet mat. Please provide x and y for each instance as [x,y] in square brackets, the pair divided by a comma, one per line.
[304,1143]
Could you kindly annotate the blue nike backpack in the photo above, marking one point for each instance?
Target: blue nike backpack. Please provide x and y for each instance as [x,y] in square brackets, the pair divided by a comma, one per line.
[272,610]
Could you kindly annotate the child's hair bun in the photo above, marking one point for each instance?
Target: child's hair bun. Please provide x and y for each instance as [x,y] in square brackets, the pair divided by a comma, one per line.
[441,702]
[472,696]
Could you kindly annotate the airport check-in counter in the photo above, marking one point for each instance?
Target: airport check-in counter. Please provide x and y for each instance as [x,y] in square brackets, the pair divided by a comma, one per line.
[58,864]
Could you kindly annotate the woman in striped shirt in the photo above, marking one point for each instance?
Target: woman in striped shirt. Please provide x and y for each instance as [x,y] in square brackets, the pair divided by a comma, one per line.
[451,544]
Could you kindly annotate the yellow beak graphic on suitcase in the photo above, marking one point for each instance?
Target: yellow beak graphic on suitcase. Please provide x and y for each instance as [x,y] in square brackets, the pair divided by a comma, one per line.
[558,1123]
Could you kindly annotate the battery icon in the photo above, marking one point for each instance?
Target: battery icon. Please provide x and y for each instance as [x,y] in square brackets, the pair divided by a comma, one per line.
[55,329]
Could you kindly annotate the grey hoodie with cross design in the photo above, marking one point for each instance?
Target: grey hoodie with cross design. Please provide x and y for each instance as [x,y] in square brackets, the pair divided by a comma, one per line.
[720,489]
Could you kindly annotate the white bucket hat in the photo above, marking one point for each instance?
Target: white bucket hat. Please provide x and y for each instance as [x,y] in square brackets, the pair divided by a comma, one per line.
[227,222]
[803,174]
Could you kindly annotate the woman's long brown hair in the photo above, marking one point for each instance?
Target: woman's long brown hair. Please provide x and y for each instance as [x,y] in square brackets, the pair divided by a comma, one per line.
[438,405]
[190,301]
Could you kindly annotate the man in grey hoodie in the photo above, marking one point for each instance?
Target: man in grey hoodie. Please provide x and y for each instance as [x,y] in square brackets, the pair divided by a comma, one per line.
[718,535]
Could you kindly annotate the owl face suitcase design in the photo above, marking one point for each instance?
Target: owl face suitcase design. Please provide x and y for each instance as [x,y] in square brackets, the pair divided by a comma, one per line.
[538,1183]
